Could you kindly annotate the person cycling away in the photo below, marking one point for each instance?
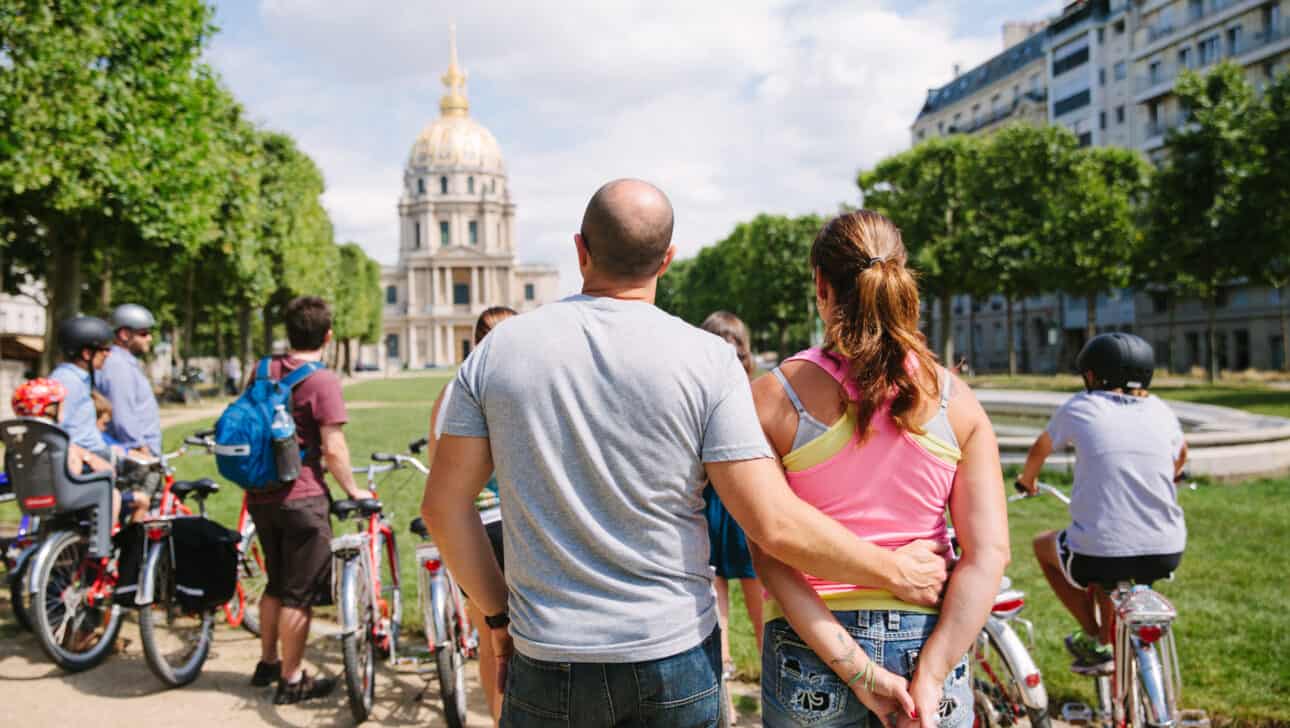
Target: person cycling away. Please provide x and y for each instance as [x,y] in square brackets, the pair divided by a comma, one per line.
[1126,524]
[43,399]
[487,660]
[136,418]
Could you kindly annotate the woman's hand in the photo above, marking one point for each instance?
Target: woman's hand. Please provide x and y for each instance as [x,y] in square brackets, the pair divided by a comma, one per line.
[925,690]
[889,700]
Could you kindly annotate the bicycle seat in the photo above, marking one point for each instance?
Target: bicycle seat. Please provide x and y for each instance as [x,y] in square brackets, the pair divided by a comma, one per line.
[343,509]
[418,527]
[204,487]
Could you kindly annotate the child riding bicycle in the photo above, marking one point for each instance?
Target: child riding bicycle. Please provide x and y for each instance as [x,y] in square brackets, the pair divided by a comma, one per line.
[1126,524]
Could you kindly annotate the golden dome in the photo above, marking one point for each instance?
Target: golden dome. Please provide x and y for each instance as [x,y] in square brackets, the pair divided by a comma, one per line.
[454,140]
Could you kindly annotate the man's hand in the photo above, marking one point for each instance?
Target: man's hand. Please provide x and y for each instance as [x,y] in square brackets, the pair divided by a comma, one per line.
[360,494]
[1029,487]
[920,573]
[503,648]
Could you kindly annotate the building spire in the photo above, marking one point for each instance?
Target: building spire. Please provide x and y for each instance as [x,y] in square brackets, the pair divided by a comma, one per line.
[454,102]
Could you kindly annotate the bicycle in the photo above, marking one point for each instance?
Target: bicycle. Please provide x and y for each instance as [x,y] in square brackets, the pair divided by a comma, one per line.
[15,554]
[243,609]
[1007,685]
[1145,683]
[369,621]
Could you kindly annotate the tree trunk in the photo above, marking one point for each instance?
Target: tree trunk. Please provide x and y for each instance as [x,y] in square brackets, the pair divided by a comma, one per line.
[189,314]
[1173,333]
[64,291]
[105,286]
[267,313]
[971,343]
[1211,337]
[1012,342]
[1285,330]
[244,340]
[349,363]
[1026,365]
[946,343]
[1090,317]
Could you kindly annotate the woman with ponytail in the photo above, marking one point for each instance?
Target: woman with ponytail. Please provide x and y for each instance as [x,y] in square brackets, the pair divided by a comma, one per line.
[874,433]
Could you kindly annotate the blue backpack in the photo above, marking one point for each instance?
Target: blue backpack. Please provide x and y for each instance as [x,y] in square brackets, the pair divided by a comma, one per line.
[255,437]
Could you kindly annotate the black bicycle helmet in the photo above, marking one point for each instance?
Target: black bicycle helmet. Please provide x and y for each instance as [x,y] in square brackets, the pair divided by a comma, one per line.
[83,332]
[1118,361]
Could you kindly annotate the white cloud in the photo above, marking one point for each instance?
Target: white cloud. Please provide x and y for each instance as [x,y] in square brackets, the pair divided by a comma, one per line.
[734,108]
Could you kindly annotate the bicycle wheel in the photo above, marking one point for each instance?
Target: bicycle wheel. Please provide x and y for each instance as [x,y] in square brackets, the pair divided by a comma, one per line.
[997,691]
[75,635]
[450,660]
[251,581]
[357,646]
[175,641]
[18,596]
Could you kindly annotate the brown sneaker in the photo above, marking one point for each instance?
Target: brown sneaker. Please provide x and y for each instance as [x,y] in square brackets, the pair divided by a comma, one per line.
[307,689]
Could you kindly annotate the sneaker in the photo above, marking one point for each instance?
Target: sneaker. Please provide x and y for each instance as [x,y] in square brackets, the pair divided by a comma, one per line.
[266,674]
[307,689]
[1091,657]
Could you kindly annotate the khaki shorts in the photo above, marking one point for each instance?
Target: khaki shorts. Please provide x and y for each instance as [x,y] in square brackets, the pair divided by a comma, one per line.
[295,536]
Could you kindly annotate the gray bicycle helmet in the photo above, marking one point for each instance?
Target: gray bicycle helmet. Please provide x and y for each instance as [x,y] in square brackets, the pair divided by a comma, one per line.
[1117,360]
[132,316]
[83,332]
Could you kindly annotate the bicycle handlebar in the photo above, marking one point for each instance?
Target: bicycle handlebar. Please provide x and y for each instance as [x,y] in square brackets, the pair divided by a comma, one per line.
[416,445]
[1042,488]
[384,457]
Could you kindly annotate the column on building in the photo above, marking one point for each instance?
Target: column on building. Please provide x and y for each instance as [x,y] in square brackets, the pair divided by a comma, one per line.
[488,286]
[474,284]
[446,292]
[411,339]
[434,343]
[412,296]
[434,286]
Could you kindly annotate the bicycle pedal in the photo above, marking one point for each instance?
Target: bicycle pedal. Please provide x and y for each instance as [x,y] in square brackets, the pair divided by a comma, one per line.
[1193,719]
[1077,713]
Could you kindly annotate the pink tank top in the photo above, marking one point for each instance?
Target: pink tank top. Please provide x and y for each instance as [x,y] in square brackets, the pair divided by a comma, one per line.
[888,489]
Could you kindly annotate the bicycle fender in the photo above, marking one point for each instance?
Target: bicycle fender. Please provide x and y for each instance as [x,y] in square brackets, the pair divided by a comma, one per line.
[42,554]
[1014,652]
[148,575]
[20,563]
[440,596]
[351,580]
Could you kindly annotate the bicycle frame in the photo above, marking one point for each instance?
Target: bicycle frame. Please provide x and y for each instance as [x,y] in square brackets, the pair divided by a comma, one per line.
[1145,656]
[376,534]
[435,590]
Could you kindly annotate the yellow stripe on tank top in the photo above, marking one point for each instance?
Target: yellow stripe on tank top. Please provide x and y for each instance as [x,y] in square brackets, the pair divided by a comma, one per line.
[824,447]
[851,601]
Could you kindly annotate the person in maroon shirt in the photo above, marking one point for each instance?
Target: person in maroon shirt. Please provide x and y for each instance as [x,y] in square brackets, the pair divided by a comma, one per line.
[294,522]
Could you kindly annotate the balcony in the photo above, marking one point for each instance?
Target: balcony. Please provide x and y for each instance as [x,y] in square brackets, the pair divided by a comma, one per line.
[1201,14]
[998,114]
[1162,81]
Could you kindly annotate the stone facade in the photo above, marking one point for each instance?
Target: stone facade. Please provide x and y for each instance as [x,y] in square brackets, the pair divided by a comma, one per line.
[457,246]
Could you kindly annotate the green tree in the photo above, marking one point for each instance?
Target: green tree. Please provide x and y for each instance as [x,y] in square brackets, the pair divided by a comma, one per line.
[774,290]
[357,304]
[924,191]
[1271,192]
[1203,212]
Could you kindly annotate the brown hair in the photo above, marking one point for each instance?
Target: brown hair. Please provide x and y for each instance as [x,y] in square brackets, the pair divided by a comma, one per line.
[875,320]
[308,321]
[102,405]
[729,327]
[490,318]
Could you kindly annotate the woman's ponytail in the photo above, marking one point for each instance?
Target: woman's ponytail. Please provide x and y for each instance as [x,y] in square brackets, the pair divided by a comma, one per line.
[875,321]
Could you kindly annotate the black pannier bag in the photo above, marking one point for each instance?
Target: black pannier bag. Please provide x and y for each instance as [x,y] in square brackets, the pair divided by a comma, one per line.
[206,563]
[132,545]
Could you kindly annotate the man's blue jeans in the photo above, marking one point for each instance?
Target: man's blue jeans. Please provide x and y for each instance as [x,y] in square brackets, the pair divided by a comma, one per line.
[681,691]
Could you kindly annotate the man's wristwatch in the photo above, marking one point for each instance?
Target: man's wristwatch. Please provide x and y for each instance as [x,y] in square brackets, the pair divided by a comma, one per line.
[497,621]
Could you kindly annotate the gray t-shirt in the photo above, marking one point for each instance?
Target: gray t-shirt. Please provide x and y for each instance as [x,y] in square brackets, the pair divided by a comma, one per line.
[1124,502]
[600,414]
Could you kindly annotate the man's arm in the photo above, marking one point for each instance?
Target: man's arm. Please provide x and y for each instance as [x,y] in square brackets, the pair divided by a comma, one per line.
[790,530]
[462,466]
[336,459]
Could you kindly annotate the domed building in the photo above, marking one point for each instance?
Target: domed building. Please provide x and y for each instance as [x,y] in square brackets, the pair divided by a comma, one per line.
[456,240]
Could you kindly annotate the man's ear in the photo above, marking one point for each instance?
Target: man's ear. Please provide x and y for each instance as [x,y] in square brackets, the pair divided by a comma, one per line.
[667,261]
[327,337]
[584,255]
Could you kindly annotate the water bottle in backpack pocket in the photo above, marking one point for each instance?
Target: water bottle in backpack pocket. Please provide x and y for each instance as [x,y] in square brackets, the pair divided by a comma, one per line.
[255,438]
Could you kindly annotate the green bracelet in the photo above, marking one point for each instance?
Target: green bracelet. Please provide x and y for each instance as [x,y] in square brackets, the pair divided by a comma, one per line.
[867,673]
[857,676]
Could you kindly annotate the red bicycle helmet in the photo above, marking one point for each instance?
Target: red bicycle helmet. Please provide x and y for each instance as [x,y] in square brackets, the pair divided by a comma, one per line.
[34,397]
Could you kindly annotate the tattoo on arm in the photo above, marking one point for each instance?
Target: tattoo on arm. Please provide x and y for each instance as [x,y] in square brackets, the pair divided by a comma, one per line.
[848,649]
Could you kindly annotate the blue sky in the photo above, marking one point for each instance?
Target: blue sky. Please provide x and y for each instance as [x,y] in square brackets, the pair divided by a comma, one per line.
[732,107]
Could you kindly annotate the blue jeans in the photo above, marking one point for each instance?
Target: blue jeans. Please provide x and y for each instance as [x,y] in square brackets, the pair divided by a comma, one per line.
[799,689]
[681,691]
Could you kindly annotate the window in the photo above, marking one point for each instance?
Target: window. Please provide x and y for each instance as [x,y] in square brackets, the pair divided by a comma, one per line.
[1101,77]
[1184,57]
[530,292]
[996,103]
[445,234]
[392,346]
[1034,82]
[443,185]
[1119,114]
[461,293]
[421,185]
[1271,20]
[416,235]
[1195,9]
[1153,72]
[1086,139]
[1118,27]
[1209,50]
[920,134]
[1073,102]
[1016,93]
[1121,71]
[1071,60]
[976,111]
[957,119]
[474,232]
[1101,35]
[1159,302]
[470,185]
[1233,40]
[391,294]
[940,128]
[1101,120]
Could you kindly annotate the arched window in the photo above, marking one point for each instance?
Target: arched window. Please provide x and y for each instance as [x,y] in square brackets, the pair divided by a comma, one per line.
[416,235]
[391,294]
[470,185]
[421,185]
[443,185]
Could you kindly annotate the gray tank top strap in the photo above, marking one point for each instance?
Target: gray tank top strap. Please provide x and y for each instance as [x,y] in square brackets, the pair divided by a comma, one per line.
[939,425]
[808,428]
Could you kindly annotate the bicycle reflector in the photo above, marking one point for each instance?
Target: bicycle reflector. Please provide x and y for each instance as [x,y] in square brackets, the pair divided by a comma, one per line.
[1032,680]
[1150,633]
[432,565]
